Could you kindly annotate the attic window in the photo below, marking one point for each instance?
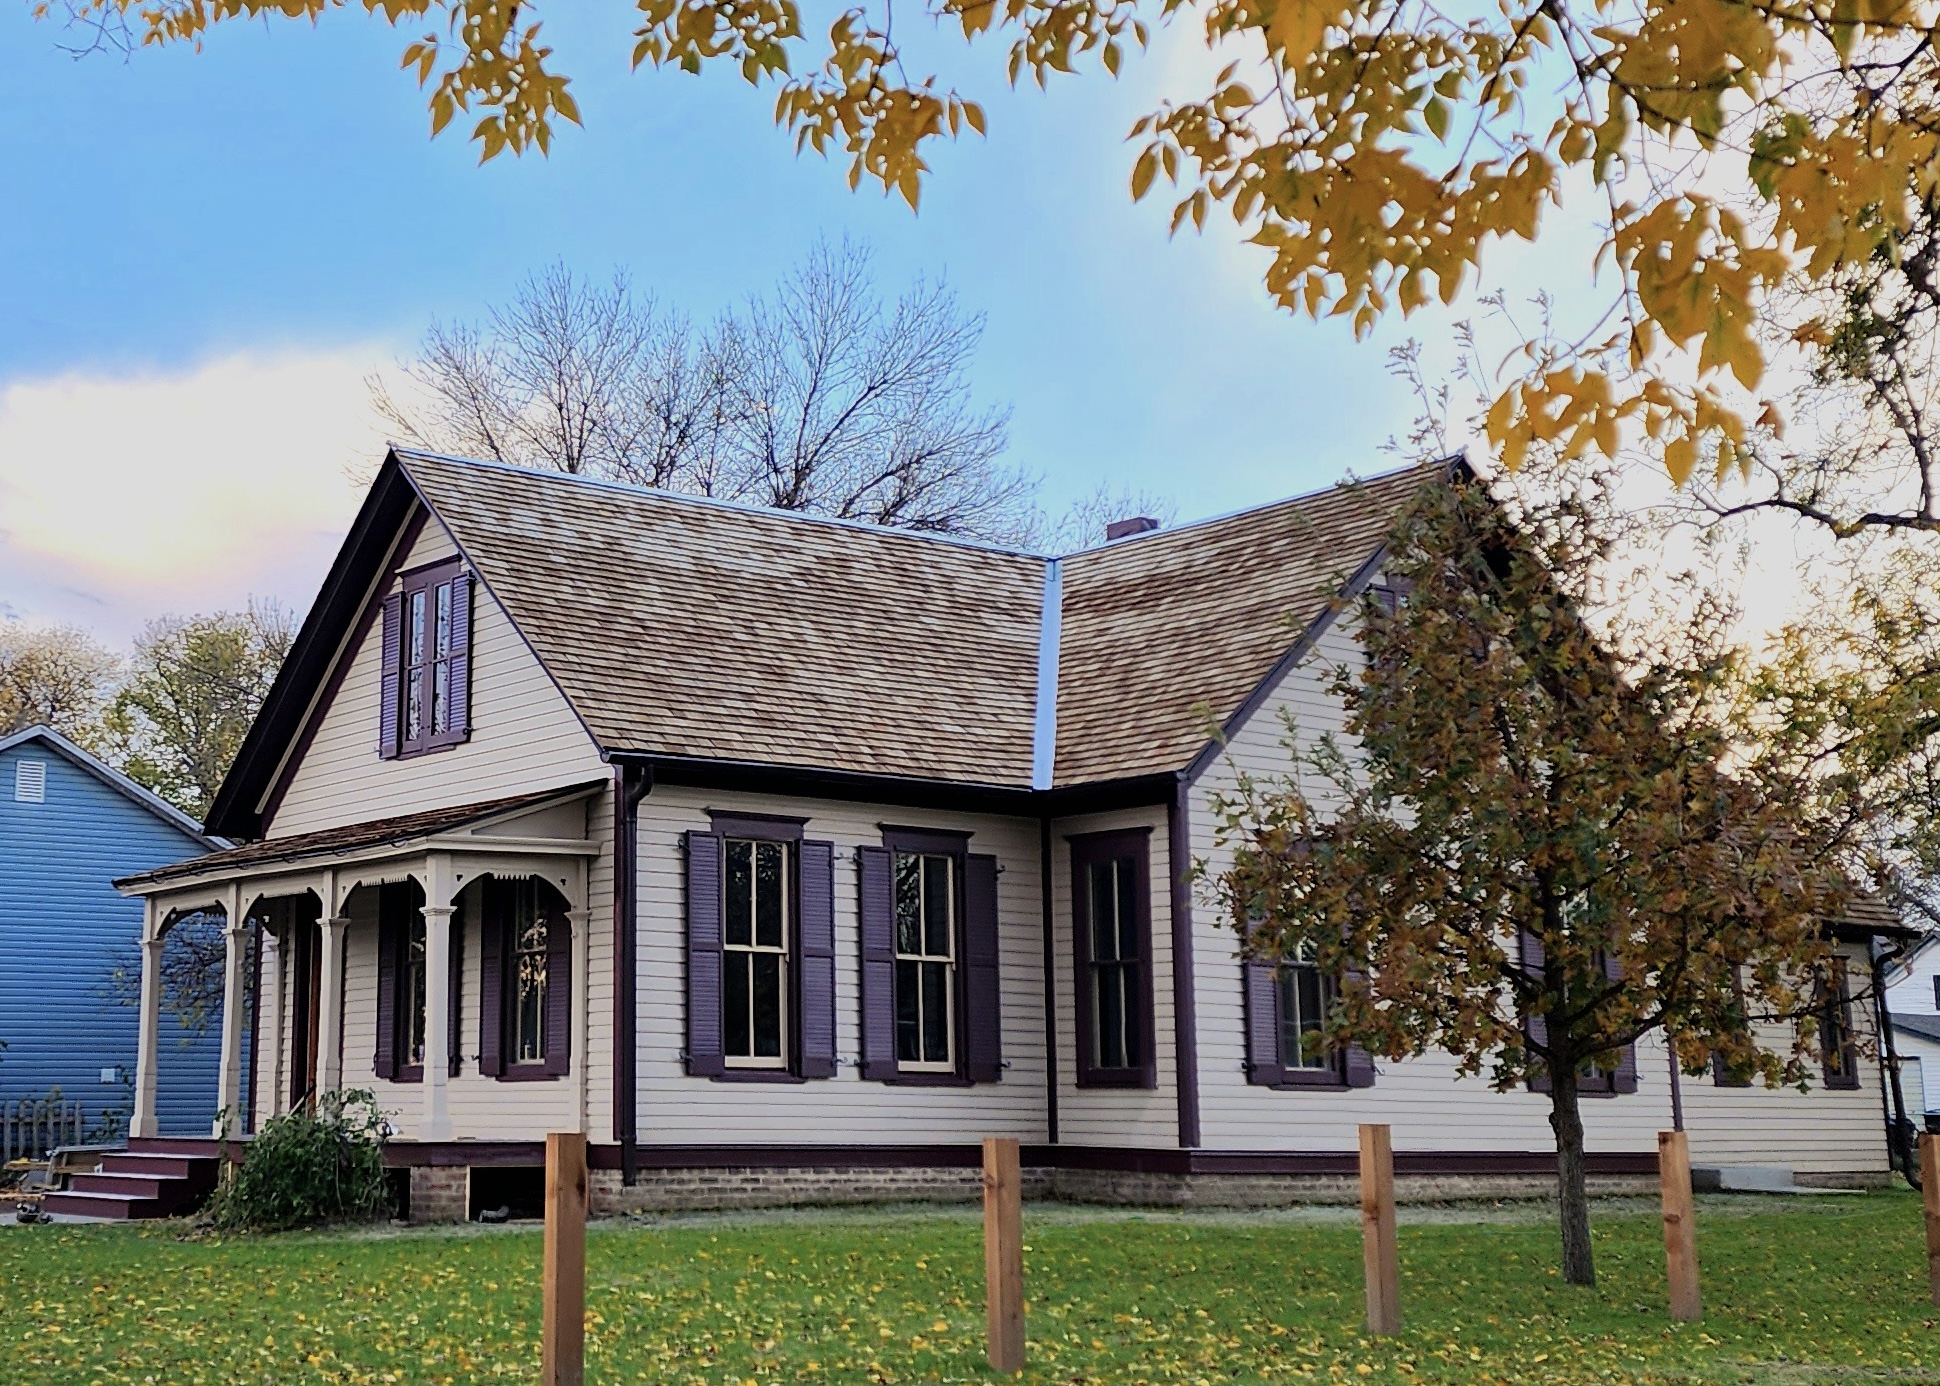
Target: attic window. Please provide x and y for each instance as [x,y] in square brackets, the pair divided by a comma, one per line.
[30,781]
[426,697]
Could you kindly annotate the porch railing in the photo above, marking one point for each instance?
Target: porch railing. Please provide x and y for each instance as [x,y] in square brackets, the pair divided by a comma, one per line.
[31,1127]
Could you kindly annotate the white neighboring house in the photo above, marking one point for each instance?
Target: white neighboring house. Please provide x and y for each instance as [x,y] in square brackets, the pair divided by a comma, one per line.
[1913,1000]
[787,857]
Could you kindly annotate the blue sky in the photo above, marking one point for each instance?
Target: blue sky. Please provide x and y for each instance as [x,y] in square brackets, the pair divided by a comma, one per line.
[276,199]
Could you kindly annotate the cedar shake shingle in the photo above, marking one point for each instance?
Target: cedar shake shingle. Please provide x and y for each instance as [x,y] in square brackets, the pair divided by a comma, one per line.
[682,627]
[1166,634]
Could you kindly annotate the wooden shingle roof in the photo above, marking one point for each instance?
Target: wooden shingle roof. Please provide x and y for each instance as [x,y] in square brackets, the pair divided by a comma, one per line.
[684,628]
[1167,634]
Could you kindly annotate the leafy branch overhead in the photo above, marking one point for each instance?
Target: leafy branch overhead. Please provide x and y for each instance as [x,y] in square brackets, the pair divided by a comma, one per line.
[1374,147]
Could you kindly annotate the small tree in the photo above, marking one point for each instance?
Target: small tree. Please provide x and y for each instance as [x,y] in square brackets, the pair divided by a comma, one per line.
[194,686]
[1534,857]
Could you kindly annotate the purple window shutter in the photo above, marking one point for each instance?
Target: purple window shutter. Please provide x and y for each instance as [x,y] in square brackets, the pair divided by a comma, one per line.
[385,1064]
[559,992]
[878,909]
[454,1030]
[491,978]
[1264,1065]
[1357,1065]
[982,984]
[704,1048]
[815,960]
[1532,963]
[388,676]
[1625,1078]
[461,657]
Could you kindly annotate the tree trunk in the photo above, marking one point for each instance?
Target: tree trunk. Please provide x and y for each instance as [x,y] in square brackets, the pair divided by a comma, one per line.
[1573,1199]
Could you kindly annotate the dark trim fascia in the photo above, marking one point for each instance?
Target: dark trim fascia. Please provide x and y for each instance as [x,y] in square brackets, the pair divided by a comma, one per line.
[1866,933]
[486,1154]
[1050,979]
[1266,687]
[848,786]
[366,549]
[484,585]
[930,841]
[1185,1019]
[1453,467]
[761,827]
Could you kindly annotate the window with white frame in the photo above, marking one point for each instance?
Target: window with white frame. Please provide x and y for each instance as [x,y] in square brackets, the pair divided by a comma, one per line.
[1305,994]
[926,934]
[754,940]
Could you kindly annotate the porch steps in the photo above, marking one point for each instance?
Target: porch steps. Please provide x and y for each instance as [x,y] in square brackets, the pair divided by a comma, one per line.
[154,1178]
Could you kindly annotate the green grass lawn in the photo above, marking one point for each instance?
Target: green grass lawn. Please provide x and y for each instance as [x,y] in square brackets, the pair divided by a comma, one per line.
[1795,1292]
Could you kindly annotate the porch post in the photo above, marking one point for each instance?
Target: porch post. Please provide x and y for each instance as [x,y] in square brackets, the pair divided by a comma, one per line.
[235,942]
[436,1125]
[141,1122]
[581,921]
[330,1003]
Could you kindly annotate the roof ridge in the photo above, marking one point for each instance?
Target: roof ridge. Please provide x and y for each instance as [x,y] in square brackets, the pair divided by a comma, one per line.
[1347,483]
[659,493]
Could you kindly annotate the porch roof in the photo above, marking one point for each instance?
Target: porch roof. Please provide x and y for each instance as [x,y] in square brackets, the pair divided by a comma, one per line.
[279,852]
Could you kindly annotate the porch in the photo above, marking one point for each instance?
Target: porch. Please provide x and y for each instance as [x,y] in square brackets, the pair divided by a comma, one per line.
[510,874]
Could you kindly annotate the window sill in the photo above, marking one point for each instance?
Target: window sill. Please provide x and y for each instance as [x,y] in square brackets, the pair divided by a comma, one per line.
[527,1073]
[1842,1084]
[929,1080]
[445,743]
[758,1075]
[1315,1081]
[1117,1078]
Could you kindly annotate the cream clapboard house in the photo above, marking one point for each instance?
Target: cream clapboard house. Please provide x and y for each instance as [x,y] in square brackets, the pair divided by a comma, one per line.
[788,858]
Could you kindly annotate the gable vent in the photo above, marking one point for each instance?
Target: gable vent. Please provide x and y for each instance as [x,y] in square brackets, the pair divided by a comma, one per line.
[30,781]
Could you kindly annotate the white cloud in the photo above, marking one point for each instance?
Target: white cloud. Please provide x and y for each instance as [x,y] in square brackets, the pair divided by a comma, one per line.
[124,497]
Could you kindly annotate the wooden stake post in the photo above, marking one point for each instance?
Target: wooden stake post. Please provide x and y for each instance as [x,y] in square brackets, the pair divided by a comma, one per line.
[1003,1253]
[1930,1192]
[1377,1231]
[1680,1225]
[564,1361]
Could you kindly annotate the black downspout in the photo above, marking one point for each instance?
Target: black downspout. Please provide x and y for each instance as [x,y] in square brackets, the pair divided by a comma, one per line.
[632,783]
[1898,1153]
[1050,981]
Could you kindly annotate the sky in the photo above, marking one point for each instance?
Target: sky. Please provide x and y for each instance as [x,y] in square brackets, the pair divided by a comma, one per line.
[204,256]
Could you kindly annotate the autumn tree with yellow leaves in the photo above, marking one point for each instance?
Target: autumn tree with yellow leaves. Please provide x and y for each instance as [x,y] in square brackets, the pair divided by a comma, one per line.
[1376,148]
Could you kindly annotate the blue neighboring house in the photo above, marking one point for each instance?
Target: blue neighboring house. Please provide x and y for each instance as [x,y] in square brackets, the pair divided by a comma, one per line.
[69,825]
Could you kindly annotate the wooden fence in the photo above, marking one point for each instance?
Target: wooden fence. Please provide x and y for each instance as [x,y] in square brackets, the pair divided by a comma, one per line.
[31,1127]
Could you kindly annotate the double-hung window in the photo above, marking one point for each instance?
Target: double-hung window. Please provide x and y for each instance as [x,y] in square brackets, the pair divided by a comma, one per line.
[525,978]
[426,694]
[1112,919]
[926,961]
[1305,995]
[530,974]
[755,933]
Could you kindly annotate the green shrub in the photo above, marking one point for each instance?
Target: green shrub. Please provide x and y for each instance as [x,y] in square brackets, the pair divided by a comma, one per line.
[315,1165]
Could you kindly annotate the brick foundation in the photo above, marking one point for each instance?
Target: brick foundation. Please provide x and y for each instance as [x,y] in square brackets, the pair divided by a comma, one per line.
[674,1190]
[1126,1189]
[440,1194]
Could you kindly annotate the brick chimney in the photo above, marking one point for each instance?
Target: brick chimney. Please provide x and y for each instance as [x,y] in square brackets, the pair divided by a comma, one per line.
[1125,529]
